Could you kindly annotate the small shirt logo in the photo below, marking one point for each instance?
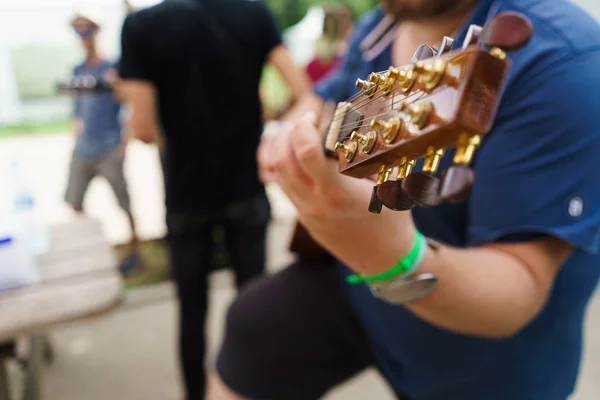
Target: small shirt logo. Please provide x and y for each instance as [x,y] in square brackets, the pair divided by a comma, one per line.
[576,207]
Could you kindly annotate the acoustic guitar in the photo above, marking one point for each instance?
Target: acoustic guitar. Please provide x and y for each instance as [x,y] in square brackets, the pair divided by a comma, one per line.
[446,98]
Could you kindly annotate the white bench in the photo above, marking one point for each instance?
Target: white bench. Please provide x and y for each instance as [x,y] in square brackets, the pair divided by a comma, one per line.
[80,279]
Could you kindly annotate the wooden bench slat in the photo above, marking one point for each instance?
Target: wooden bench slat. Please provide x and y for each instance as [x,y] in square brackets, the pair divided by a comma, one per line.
[39,307]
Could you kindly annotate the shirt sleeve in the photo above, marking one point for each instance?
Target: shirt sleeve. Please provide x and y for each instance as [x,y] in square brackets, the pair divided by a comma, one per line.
[537,171]
[335,86]
[135,61]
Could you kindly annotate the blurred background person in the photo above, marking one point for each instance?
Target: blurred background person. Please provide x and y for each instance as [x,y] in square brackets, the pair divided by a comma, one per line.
[100,145]
[331,46]
[190,70]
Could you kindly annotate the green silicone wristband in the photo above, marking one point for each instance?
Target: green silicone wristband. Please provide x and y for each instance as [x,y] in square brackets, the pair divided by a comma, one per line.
[405,265]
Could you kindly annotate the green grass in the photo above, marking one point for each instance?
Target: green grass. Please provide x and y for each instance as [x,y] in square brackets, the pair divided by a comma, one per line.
[34,128]
[155,267]
[155,264]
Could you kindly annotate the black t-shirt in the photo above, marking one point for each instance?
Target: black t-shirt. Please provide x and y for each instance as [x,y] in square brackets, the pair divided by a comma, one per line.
[211,116]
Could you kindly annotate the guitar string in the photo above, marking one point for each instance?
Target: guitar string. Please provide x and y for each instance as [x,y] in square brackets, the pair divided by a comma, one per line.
[392,109]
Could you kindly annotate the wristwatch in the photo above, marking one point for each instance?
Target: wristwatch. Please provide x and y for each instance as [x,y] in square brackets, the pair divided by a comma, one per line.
[406,290]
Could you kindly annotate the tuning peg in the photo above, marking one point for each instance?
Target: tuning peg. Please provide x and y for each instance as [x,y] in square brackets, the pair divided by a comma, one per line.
[423,52]
[405,77]
[366,141]
[508,31]
[472,36]
[368,87]
[389,130]
[391,193]
[423,186]
[423,189]
[458,179]
[419,113]
[456,183]
[446,45]
[431,73]
[375,204]
[349,150]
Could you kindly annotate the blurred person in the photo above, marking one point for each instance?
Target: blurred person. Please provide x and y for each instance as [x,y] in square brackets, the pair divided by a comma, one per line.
[516,263]
[331,45]
[100,144]
[191,70]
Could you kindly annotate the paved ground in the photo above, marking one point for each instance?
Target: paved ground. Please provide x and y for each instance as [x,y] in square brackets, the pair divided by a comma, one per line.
[131,354]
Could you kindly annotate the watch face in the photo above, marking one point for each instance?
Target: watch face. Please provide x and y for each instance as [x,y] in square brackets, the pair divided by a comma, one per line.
[407,291]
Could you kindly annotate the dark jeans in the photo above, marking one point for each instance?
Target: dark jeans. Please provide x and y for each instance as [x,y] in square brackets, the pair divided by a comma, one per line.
[190,240]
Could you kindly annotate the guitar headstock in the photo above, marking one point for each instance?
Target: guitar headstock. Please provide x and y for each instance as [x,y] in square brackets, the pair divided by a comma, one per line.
[444,99]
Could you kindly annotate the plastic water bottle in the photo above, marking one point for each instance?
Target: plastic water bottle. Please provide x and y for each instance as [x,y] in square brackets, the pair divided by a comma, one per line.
[25,211]
[18,266]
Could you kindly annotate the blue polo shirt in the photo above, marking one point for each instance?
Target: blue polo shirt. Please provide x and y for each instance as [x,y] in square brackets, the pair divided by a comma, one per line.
[537,174]
[101,116]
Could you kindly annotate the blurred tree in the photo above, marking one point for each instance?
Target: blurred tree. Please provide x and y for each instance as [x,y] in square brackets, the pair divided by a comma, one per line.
[290,12]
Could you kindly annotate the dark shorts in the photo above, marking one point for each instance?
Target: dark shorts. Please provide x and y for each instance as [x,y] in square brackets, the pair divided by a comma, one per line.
[82,171]
[292,336]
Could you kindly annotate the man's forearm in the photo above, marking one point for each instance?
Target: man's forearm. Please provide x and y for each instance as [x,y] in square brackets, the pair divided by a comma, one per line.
[482,291]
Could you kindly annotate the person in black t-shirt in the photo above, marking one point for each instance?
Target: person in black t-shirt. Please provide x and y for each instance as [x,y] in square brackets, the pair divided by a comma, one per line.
[190,71]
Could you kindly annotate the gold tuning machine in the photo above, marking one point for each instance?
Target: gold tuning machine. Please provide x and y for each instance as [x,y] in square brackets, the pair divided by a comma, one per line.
[405,167]
[418,113]
[432,160]
[348,150]
[384,174]
[383,81]
[406,78]
[465,149]
[389,130]
[367,141]
[368,87]
[431,73]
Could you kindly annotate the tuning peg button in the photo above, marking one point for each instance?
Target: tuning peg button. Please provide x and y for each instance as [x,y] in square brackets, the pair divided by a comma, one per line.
[423,188]
[375,204]
[456,183]
[393,196]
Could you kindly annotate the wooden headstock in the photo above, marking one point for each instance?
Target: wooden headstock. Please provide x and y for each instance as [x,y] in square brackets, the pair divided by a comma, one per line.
[444,99]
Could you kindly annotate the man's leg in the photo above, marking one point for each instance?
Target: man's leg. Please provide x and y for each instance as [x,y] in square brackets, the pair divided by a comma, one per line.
[290,336]
[81,172]
[245,226]
[111,167]
[190,247]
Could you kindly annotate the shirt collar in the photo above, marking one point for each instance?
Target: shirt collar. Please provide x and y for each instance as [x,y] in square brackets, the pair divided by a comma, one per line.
[382,35]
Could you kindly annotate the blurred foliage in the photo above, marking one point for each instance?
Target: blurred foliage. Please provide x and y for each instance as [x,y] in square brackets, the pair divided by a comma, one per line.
[290,12]
[34,128]
[38,67]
